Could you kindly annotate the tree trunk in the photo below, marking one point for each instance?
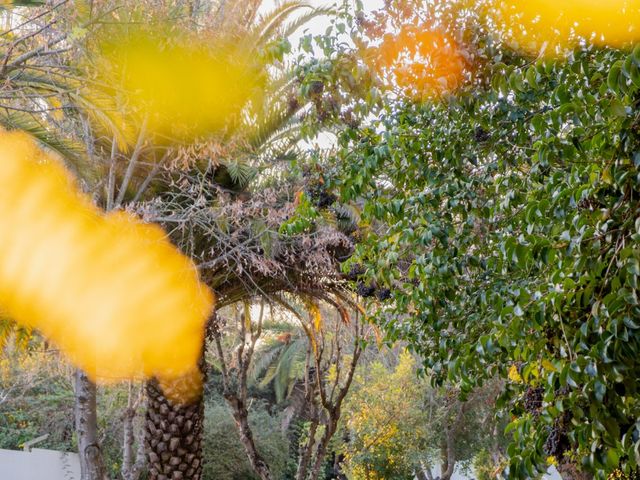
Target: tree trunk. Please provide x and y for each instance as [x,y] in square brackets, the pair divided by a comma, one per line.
[241,417]
[86,419]
[420,475]
[424,472]
[444,458]
[448,448]
[173,436]
[132,463]
[321,453]
[305,458]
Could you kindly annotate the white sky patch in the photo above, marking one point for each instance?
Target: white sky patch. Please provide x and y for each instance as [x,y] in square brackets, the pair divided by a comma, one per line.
[317,26]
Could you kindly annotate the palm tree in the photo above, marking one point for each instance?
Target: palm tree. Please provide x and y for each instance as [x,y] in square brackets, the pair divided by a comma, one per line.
[268,131]
[280,359]
[42,94]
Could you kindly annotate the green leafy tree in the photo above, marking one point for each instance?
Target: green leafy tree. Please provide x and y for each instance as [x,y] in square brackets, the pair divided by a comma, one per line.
[386,426]
[504,220]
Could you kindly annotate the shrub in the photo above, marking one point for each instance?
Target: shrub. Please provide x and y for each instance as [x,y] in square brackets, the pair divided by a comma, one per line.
[224,455]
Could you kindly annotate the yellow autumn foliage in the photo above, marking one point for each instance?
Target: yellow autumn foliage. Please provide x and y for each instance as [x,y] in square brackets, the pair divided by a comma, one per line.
[514,374]
[382,408]
[113,293]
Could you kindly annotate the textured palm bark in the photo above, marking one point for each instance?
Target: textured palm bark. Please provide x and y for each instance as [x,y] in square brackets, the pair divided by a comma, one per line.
[173,436]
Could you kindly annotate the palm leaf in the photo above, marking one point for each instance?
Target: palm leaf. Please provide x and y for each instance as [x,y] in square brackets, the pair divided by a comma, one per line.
[90,98]
[347,217]
[70,151]
[21,3]
[267,128]
[285,368]
[263,368]
[270,23]
[291,27]
[10,329]
[241,173]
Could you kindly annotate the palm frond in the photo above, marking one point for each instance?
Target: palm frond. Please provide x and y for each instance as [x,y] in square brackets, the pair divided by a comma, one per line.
[282,143]
[291,27]
[270,373]
[285,369]
[92,100]
[280,364]
[71,151]
[270,23]
[264,360]
[281,83]
[265,129]
[347,217]
[21,3]
[10,329]
[241,173]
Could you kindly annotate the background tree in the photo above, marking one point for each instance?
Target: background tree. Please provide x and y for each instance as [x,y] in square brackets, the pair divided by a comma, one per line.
[329,362]
[398,426]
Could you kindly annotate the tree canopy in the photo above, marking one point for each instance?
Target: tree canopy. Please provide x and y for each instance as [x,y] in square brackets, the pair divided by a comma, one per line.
[504,220]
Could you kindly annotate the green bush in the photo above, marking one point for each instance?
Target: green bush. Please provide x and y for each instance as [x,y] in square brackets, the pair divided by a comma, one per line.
[224,455]
[483,465]
[40,400]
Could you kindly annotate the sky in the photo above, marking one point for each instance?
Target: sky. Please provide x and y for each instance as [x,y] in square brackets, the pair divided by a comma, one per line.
[319,24]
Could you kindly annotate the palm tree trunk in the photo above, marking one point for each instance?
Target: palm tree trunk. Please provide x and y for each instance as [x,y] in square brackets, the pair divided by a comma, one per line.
[173,436]
[86,419]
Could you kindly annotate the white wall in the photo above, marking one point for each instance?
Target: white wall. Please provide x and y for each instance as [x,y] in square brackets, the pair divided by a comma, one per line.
[458,474]
[39,464]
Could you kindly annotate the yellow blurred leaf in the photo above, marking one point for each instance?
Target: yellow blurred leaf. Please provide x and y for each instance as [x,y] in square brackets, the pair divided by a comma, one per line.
[186,87]
[316,316]
[549,25]
[548,366]
[117,298]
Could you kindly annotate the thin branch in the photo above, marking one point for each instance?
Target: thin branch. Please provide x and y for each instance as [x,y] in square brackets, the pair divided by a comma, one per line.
[112,175]
[132,164]
[147,181]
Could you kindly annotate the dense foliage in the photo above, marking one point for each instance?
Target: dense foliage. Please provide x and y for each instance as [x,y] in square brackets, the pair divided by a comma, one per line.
[396,424]
[505,221]
[386,424]
[224,454]
[36,398]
